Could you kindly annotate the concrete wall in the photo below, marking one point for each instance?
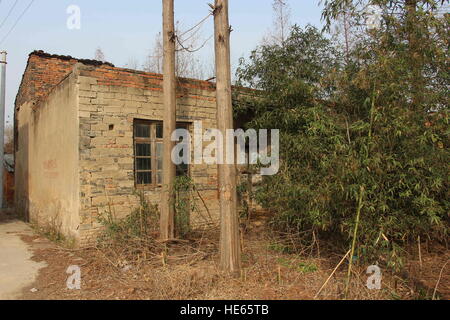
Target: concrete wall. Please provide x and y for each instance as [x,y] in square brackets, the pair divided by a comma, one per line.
[114,98]
[47,159]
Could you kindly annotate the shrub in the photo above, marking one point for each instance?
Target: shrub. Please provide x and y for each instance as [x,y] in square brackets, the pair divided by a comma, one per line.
[141,224]
[355,130]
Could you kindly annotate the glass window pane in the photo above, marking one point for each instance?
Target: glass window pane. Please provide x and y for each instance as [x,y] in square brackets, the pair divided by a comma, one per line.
[144,164]
[160,164]
[142,130]
[159,177]
[144,177]
[159,150]
[143,150]
[159,130]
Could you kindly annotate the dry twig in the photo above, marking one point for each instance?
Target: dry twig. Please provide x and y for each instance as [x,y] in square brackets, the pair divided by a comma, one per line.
[331,275]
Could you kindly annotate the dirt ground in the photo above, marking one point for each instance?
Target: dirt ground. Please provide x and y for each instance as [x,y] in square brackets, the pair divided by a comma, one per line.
[191,272]
[17,270]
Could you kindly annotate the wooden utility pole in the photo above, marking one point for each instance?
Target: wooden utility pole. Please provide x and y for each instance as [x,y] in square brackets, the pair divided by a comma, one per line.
[230,250]
[167,223]
[2,119]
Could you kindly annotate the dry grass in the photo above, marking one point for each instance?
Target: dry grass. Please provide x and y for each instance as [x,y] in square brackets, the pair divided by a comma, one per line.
[189,270]
[275,267]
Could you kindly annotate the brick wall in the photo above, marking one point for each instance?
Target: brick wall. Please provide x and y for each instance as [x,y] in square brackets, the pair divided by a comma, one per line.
[110,99]
[43,73]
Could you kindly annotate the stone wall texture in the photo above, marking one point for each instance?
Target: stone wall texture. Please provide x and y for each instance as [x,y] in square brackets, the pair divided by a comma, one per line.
[107,101]
[110,99]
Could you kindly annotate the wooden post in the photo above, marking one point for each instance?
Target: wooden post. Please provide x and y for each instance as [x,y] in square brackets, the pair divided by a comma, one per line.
[167,222]
[230,250]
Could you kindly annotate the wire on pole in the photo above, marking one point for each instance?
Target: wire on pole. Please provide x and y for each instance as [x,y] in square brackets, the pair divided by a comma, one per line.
[9,13]
[17,21]
[195,29]
[193,50]
[196,26]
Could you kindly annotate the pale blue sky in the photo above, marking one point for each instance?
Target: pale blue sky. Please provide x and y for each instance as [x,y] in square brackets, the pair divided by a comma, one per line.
[126,29]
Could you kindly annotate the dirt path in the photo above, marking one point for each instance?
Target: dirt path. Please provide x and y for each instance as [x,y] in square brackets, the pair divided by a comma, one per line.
[17,270]
[33,268]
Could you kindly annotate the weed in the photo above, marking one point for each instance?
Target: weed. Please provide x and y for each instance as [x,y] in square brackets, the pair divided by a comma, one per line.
[52,231]
[302,267]
[140,224]
[279,247]
[182,189]
[305,267]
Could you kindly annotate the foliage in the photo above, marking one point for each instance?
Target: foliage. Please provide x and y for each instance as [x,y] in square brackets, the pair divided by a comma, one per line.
[378,123]
[141,224]
[51,229]
[245,195]
[188,199]
[302,267]
[183,186]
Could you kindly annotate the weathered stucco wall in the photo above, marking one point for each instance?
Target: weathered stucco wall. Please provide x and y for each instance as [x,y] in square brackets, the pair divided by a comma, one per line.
[110,100]
[47,159]
[74,132]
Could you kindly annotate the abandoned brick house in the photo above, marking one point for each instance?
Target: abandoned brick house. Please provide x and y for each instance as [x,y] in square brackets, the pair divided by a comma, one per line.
[89,134]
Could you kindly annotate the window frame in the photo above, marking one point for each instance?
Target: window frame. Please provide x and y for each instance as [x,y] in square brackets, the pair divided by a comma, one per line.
[153,140]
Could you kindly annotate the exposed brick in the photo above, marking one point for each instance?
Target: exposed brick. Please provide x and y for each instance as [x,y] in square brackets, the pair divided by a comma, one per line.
[109,99]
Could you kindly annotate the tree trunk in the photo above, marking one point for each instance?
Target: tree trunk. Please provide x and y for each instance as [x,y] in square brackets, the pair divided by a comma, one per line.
[167,226]
[230,251]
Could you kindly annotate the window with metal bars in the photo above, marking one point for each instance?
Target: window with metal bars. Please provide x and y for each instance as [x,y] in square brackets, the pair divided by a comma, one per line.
[148,153]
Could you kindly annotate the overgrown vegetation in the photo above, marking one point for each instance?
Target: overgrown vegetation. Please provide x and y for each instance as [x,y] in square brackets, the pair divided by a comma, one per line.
[51,229]
[182,189]
[188,200]
[372,126]
[141,225]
